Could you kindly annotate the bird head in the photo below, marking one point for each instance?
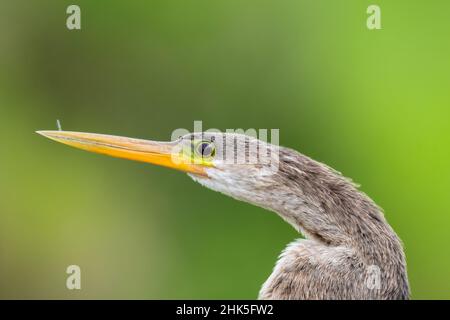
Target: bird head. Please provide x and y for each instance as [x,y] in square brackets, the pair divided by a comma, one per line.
[235,164]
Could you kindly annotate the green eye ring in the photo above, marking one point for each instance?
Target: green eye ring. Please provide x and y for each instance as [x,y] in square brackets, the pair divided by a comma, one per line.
[205,149]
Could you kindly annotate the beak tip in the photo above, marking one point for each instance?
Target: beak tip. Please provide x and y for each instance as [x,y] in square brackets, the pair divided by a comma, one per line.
[45,133]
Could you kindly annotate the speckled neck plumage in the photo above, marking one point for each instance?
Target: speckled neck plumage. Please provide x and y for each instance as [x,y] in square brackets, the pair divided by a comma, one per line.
[349,245]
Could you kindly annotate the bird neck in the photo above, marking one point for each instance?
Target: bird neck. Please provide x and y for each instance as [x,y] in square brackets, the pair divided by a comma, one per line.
[328,208]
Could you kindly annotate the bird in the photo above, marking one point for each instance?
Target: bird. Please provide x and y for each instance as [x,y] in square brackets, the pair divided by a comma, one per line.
[346,249]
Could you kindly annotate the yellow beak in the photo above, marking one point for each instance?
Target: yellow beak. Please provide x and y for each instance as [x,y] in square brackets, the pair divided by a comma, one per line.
[160,153]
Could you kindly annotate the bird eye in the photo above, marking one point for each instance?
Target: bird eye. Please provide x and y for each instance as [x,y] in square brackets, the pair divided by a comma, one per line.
[206,149]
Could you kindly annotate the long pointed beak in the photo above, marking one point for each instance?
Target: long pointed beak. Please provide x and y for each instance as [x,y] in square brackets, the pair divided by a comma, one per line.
[160,153]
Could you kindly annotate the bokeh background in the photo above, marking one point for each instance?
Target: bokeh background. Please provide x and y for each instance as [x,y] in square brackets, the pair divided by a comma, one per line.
[372,104]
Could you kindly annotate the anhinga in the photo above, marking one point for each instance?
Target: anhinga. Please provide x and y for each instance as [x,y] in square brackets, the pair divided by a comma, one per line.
[348,242]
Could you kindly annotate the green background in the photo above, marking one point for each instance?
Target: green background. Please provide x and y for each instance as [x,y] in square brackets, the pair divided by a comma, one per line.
[372,104]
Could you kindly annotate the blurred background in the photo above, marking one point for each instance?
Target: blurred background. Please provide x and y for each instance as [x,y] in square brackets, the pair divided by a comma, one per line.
[375,105]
